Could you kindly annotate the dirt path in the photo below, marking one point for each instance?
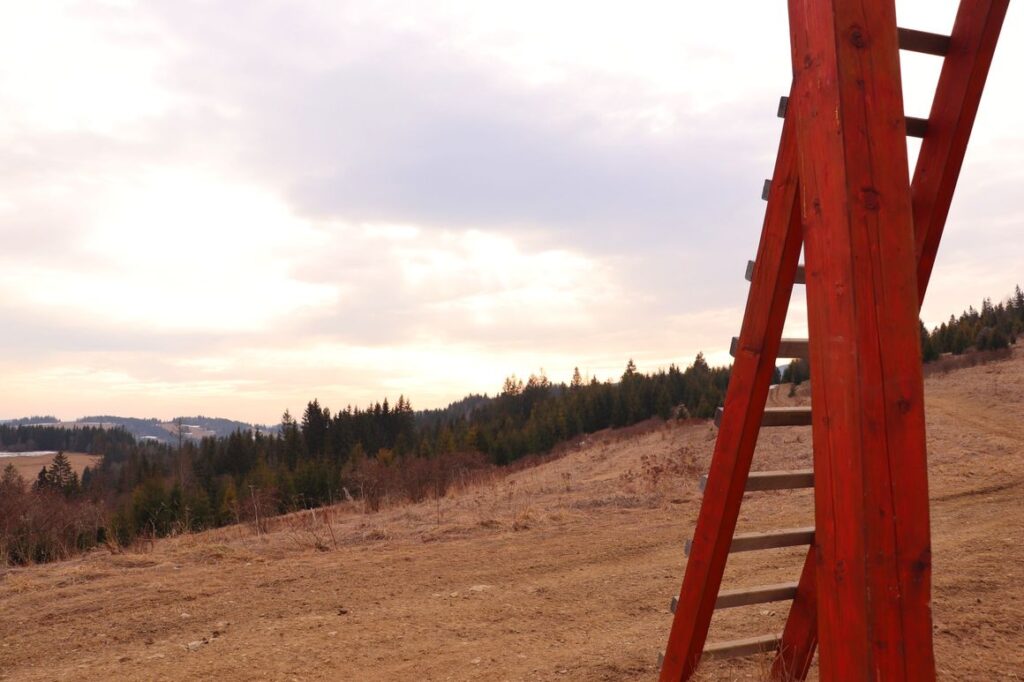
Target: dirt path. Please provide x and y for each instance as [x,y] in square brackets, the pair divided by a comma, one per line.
[562,572]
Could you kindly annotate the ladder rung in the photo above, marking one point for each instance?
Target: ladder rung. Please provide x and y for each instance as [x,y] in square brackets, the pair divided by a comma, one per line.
[780,480]
[750,542]
[741,647]
[763,594]
[916,127]
[735,648]
[777,416]
[773,480]
[913,40]
[791,537]
[800,278]
[746,596]
[787,416]
[788,348]
[795,348]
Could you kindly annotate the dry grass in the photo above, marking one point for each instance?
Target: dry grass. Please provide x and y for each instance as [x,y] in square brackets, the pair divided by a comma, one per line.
[561,571]
[28,467]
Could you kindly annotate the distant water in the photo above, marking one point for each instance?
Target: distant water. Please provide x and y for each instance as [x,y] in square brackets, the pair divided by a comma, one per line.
[30,453]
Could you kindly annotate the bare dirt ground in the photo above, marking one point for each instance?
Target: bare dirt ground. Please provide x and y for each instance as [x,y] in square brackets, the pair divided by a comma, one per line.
[28,467]
[560,572]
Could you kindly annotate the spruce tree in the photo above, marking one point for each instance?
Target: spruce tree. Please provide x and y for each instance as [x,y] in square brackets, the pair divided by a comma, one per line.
[11,479]
[60,474]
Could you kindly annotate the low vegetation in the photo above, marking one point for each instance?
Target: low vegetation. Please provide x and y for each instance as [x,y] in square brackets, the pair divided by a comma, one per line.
[372,455]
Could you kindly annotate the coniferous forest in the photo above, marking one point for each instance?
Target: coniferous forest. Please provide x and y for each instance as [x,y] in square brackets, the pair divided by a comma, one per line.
[378,452]
[381,451]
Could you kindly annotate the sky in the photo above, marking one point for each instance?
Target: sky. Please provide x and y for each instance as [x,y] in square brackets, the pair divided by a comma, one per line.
[232,208]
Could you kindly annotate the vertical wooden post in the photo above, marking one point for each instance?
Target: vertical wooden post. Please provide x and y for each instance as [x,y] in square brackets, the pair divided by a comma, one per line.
[954,107]
[871,490]
[752,373]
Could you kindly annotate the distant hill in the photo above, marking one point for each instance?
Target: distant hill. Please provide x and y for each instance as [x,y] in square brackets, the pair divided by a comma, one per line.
[167,431]
[49,419]
[163,431]
[137,427]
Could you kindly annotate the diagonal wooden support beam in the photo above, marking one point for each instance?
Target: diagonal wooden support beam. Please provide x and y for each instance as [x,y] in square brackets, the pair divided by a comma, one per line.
[969,52]
[752,373]
[958,93]
[873,557]
[800,637]
[957,96]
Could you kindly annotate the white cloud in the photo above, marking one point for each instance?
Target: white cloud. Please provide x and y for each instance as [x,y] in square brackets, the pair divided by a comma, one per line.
[246,205]
[178,249]
[64,69]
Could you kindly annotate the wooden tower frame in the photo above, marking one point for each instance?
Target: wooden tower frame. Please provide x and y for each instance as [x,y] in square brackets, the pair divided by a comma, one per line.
[842,192]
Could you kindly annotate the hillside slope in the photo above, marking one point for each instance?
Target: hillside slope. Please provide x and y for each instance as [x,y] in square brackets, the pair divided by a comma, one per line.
[563,571]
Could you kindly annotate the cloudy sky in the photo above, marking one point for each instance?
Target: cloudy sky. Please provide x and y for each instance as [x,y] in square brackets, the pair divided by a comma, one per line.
[230,208]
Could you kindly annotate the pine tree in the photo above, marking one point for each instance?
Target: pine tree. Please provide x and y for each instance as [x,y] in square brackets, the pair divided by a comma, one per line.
[11,480]
[928,351]
[60,476]
[663,405]
[314,429]
[60,469]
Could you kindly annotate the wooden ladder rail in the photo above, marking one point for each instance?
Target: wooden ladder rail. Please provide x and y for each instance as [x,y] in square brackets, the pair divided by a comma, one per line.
[964,73]
[752,373]
[965,68]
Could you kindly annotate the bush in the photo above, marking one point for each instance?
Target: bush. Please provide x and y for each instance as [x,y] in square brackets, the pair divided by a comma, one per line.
[39,525]
[413,478]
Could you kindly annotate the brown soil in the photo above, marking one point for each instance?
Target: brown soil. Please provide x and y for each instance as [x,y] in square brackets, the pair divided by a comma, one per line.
[560,572]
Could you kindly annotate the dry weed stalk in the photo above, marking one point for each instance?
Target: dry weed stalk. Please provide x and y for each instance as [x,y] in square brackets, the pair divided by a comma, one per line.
[307,532]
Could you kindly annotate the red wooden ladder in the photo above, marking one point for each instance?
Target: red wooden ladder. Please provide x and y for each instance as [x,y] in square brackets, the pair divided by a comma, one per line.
[841,191]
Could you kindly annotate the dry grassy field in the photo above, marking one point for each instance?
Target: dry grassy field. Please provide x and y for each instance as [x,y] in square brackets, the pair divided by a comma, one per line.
[28,467]
[559,572]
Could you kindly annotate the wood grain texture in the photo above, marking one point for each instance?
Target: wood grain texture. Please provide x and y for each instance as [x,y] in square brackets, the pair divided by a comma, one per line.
[954,108]
[763,594]
[857,37]
[790,537]
[799,278]
[800,637]
[751,542]
[955,105]
[923,42]
[742,647]
[774,480]
[752,373]
[788,348]
[872,542]
[776,416]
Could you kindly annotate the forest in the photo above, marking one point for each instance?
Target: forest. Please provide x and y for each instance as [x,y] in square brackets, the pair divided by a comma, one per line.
[994,327]
[374,453]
